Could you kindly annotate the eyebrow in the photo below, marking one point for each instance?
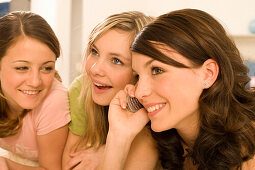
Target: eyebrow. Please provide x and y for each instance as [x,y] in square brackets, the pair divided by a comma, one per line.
[146,64]
[94,46]
[114,54]
[24,61]
[149,62]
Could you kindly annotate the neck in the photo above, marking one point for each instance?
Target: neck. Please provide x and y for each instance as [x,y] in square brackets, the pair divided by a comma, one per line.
[189,133]
[13,112]
[188,139]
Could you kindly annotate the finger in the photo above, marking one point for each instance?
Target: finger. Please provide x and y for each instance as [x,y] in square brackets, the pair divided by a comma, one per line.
[3,164]
[74,154]
[130,90]
[123,99]
[120,99]
[82,152]
[73,162]
[81,166]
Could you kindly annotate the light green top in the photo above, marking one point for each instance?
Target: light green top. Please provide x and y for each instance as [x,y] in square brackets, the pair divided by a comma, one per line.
[78,117]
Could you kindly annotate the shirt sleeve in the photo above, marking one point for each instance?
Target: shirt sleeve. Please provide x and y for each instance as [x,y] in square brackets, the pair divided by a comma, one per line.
[54,112]
[78,117]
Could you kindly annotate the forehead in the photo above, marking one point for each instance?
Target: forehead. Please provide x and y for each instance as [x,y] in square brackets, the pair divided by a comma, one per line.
[114,41]
[172,53]
[165,54]
[139,61]
[26,48]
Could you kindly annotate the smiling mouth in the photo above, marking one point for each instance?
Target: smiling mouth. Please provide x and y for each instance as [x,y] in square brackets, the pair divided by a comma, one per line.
[30,92]
[154,108]
[100,86]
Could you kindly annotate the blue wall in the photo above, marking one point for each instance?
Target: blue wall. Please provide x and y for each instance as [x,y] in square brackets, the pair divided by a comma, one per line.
[4,8]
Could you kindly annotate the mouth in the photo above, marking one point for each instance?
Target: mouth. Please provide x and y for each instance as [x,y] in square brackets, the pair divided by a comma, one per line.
[30,92]
[101,86]
[155,107]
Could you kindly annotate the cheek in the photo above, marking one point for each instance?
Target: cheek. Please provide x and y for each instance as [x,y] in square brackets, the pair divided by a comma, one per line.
[124,78]
[47,80]
[10,79]
[184,91]
[89,63]
[173,88]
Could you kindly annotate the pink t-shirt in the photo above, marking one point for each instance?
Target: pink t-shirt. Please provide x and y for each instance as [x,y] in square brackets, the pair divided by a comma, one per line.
[50,115]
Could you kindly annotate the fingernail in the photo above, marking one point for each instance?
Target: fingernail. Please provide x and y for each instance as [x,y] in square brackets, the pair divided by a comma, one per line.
[132,94]
[123,106]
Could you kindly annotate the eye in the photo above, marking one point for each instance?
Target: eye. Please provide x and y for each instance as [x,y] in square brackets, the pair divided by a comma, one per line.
[47,69]
[156,70]
[116,61]
[23,68]
[94,51]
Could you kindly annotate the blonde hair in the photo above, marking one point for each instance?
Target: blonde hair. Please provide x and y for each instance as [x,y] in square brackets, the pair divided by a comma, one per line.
[97,122]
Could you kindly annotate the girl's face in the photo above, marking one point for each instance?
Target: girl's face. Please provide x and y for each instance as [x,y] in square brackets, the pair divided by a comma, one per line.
[26,73]
[169,94]
[109,65]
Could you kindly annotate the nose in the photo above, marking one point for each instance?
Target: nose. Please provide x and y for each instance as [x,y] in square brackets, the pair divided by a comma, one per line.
[34,78]
[143,89]
[97,68]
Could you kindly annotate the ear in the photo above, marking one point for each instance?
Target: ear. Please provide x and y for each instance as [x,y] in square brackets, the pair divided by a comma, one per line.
[210,72]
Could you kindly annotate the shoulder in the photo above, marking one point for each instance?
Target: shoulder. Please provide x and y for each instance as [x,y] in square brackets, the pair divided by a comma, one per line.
[75,89]
[74,92]
[249,165]
[53,112]
[77,107]
[56,102]
[76,85]
[143,149]
[57,93]
[144,138]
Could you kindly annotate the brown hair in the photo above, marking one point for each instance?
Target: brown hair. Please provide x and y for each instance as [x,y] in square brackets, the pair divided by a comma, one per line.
[13,26]
[97,122]
[227,109]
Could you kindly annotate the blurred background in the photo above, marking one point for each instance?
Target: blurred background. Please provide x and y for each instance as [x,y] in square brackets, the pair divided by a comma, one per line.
[72,21]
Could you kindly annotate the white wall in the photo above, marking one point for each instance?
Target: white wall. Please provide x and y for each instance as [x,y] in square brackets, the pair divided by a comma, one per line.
[58,15]
[76,50]
[73,20]
[235,14]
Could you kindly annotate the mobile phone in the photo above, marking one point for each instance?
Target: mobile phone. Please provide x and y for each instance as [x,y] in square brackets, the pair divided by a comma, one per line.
[133,104]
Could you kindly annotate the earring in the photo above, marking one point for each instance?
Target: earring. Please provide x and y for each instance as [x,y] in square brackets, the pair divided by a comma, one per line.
[205,84]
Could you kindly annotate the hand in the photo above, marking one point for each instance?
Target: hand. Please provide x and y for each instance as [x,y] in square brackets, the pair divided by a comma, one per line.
[3,163]
[123,122]
[85,160]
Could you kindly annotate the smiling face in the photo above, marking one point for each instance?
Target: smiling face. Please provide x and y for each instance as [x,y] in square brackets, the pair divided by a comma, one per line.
[169,94]
[26,72]
[109,65]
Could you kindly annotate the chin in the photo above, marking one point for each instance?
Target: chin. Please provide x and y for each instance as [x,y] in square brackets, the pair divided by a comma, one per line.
[101,102]
[30,107]
[156,128]
[31,104]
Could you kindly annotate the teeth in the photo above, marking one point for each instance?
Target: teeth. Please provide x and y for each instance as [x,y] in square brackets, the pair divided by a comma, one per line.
[99,85]
[155,107]
[30,92]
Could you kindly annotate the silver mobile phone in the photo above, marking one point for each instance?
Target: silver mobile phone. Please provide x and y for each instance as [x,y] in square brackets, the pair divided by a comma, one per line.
[133,104]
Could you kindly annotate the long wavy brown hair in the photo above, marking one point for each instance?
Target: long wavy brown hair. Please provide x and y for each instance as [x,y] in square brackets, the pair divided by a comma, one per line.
[226,110]
[97,120]
[13,26]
